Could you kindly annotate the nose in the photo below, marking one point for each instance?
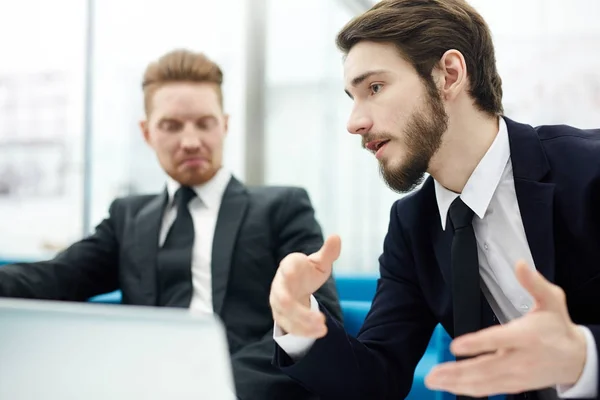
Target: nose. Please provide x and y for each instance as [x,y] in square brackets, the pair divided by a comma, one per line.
[190,140]
[359,123]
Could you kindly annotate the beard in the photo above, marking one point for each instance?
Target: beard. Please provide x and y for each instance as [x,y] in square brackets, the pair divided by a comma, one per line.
[422,139]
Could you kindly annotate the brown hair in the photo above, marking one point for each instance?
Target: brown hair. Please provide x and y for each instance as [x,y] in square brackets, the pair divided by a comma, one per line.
[180,66]
[423,30]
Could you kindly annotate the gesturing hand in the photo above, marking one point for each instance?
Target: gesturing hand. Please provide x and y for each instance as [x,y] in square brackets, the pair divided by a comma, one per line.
[298,277]
[539,350]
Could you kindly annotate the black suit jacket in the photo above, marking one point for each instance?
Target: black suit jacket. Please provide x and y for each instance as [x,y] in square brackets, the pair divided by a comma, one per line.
[557,180]
[256,228]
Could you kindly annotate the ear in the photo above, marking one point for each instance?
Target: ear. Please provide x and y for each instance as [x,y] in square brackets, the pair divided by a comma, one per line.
[145,131]
[226,123]
[452,71]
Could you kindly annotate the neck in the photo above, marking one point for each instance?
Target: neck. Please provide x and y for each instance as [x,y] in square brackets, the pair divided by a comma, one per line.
[464,144]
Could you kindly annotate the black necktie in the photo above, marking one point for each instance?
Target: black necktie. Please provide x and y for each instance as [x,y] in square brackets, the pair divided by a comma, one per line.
[174,262]
[465,272]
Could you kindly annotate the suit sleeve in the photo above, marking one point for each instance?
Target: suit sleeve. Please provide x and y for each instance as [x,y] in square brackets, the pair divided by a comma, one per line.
[85,269]
[252,364]
[380,362]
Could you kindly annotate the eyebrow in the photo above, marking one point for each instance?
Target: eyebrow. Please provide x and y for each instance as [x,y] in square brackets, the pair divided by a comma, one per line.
[362,77]
[166,119]
[180,117]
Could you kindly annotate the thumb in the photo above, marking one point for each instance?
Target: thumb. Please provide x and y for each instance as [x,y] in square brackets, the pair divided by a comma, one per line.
[546,295]
[327,254]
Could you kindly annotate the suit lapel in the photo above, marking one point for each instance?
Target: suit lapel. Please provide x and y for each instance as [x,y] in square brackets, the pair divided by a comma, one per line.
[231,214]
[535,197]
[147,229]
[536,205]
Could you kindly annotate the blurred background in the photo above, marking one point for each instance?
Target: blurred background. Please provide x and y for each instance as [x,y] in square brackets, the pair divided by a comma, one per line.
[71,100]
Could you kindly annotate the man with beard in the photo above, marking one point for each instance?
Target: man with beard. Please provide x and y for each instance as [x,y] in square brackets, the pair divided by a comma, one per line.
[499,245]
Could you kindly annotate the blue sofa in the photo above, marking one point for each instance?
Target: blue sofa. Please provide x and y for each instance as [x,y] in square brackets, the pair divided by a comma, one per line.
[356,293]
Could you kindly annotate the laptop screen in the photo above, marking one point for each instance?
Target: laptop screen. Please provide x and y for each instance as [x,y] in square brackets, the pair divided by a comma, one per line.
[58,350]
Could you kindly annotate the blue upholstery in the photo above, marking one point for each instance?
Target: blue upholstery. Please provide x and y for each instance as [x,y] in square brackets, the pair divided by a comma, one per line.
[356,294]
[356,287]
[354,313]
[8,261]
[109,298]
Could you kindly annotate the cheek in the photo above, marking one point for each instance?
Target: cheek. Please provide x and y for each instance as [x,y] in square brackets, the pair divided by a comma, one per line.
[391,112]
[394,122]
[167,146]
[215,140]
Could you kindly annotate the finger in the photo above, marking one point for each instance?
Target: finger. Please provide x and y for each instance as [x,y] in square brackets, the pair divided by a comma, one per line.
[490,340]
[303,317]
[300,277]
[312,326]
[297,322]
[546,295]
[329,252]
[486,375]
[294,317]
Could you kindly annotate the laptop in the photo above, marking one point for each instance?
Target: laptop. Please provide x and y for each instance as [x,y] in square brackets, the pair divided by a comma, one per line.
[82,351]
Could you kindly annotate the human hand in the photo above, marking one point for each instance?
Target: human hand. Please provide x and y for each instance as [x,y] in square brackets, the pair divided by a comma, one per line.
[297,278]
[544,348]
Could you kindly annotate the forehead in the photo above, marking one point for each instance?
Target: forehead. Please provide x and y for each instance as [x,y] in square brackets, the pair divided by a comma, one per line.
[368,56]
[185,98]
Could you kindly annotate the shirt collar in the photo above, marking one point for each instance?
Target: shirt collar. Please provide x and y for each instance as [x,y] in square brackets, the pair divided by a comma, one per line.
[210,193]
[482,183]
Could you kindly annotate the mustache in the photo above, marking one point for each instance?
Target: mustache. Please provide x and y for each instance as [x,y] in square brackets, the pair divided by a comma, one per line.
[374,136]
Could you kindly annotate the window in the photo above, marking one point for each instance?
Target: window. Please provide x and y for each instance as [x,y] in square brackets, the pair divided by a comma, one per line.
[41,125]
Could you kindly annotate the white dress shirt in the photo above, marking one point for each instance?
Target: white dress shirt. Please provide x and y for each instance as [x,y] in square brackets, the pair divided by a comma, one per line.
[501,242]
[204,209]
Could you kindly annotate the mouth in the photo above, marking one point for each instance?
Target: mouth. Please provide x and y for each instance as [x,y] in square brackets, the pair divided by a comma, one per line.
[193,162]
[375,145]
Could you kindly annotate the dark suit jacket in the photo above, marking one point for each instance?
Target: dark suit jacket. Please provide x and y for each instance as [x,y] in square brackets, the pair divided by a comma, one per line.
[557,181]
[256,228]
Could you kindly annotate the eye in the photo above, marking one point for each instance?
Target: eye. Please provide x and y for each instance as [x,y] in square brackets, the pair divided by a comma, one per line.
[207,123]
[170,125]
[375,88]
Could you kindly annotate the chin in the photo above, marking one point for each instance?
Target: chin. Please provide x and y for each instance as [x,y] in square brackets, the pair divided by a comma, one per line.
[197,178]
[402,178]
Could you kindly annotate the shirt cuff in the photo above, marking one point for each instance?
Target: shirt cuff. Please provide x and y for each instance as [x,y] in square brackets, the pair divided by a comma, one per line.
[295,346]
[587,385]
